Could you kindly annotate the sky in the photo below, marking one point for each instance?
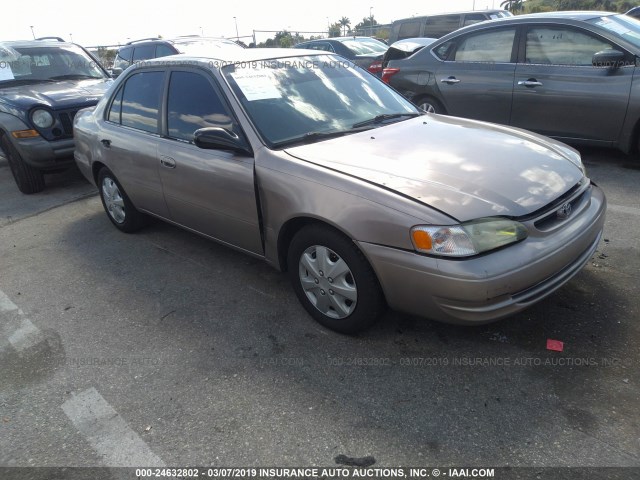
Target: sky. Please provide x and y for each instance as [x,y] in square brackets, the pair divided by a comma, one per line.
[118,21]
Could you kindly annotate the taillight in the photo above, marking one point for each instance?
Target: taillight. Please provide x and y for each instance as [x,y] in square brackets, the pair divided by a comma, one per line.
[387,73]
[375,67]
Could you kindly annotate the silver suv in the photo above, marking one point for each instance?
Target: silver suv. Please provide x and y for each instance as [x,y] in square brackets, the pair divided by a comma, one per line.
[148,48]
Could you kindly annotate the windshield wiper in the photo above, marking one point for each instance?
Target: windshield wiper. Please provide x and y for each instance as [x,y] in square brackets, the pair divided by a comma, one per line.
[74,76]
[310,137]
[383,117]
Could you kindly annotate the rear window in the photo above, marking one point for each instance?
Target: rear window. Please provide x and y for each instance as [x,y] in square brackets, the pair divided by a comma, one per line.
[365,46]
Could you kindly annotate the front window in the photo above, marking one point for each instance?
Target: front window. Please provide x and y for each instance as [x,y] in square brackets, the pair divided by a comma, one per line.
[193,103]
[623,26]
[303,98]
[562,46]
[20,65]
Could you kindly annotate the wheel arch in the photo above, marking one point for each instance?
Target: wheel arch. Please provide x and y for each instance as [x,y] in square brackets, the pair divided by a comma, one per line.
[293,226]
[95,171]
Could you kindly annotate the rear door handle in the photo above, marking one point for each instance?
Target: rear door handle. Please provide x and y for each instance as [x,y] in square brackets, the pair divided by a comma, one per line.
[450,80]
[106,142]
[167,162]
[532,82]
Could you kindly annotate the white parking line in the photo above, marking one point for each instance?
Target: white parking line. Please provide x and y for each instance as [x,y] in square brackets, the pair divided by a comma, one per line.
[27,335]
[19,331]
[107,432]
[6,305]
[623,209]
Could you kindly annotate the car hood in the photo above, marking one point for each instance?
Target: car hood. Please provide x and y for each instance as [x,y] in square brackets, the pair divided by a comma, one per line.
[464,168]
[59,95]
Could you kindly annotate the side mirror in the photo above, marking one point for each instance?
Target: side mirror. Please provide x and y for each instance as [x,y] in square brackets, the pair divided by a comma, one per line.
[608,58]
[115,72]
[218,138]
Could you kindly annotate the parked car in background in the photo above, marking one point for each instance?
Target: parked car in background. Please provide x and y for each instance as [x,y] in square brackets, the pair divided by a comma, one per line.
[405,48]
[43,83]
[568,75]
[366,52]
[306,161]
[436,26]
[634,12]
[148,48]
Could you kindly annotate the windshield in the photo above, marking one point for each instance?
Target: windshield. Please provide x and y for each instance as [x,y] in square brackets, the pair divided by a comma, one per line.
[623,26]
[42,64]
[307,97]
[365,46]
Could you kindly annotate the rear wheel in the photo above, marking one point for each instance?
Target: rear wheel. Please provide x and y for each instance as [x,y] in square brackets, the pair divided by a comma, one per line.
[116,203]
[429,105]
[28,179]
[333,280]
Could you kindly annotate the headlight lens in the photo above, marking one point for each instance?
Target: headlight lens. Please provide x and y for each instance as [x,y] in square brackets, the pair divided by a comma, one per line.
[467,239]
[42,118]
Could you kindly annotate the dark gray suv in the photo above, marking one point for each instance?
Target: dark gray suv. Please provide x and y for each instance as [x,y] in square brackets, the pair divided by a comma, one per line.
[43,83]
[568,75]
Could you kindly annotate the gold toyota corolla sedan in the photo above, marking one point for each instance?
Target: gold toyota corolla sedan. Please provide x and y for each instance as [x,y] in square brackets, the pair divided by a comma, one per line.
[316,166]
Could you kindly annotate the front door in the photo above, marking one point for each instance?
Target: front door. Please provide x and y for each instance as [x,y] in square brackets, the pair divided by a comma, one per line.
[209,191]
[559,93]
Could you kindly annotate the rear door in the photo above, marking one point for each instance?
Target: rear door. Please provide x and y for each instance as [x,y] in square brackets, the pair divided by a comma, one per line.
[210,191]
[476,80]
[558,92]
[129,139]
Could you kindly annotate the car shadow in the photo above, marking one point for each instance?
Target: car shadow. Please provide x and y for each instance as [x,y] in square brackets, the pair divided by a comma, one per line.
[467,395]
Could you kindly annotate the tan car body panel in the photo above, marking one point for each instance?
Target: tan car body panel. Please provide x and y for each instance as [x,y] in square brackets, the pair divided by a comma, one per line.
[374,186]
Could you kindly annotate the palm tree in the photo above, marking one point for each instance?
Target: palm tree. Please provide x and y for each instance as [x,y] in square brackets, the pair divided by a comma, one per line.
[513,5]
[345,23]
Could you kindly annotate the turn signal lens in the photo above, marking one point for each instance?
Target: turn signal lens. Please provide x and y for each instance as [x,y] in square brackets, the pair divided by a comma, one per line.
[25,134]
[422,240]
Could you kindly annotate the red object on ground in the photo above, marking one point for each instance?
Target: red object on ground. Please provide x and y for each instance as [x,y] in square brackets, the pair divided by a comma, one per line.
[555,345]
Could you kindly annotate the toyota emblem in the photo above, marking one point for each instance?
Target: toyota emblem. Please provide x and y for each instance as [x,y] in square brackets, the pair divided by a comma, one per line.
[564,211]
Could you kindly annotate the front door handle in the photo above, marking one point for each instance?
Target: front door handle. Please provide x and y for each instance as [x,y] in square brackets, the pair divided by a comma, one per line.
[106,142]
[167,162]
[450,80]
[532,82]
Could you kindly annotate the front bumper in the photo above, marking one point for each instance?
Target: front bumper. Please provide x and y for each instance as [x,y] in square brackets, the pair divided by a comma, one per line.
[489,287]
[45,155]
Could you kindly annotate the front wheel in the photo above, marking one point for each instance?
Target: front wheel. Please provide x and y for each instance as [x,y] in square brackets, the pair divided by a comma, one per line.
[28,179]
[333,280]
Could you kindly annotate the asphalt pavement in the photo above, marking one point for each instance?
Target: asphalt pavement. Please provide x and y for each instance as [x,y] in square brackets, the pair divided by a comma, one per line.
[162,348]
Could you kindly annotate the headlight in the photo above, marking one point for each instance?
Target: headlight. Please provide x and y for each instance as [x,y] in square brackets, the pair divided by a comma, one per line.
[41,118]
[467,239]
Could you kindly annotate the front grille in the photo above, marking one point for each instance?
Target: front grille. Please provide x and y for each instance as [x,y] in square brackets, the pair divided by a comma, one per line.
[66,120]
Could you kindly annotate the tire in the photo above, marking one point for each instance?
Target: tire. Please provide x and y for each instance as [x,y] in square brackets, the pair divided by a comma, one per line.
[349,303]
[117,205]
[430,105]
[28,179]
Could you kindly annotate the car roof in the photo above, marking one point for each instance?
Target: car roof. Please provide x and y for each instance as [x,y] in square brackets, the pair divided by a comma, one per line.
[559,17]
[35,43]
[176,40]
[238,55]
[439,14]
